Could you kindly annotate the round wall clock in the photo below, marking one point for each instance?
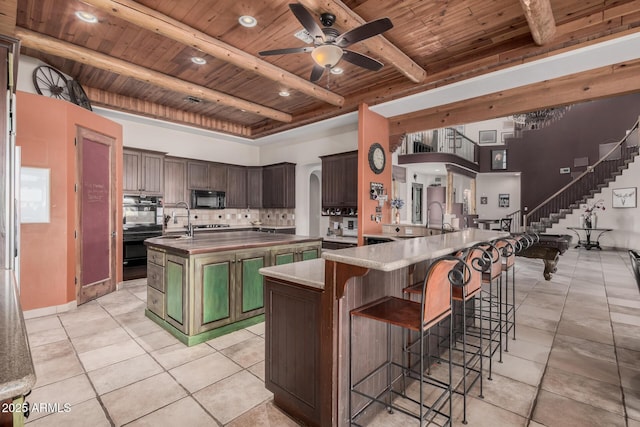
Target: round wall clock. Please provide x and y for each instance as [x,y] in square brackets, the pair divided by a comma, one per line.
[377,158]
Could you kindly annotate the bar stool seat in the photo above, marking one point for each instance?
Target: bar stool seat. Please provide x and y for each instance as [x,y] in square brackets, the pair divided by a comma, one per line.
[419,317]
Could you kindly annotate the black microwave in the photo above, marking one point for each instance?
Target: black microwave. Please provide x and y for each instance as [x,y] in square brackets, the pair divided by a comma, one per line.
[204,199]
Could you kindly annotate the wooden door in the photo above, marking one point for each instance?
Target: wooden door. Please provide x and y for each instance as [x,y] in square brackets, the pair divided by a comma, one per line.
[96,215]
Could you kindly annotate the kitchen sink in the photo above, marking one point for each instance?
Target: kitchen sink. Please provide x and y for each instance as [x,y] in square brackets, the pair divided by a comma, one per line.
[175,236]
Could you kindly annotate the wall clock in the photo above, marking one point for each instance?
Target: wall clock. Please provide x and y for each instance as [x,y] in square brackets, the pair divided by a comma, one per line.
[377,158]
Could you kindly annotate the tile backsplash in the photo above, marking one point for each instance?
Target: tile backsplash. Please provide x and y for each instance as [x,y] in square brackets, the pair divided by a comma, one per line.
[233,217]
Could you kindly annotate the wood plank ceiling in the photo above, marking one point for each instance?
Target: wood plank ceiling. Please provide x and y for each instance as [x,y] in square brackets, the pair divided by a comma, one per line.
[136,58]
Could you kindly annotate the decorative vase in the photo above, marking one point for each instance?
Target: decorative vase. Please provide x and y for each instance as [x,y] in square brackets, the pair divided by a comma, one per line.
[397,216]
[587,221]
[594,220]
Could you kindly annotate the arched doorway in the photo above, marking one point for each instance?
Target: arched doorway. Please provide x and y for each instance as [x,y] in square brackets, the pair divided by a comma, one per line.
[314,203]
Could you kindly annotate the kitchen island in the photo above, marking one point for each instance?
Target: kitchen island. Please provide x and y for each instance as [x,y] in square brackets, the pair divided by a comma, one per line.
[307,319]
[208,285]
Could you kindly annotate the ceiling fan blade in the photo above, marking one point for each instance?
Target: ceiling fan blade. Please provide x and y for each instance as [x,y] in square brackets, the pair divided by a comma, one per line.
[286,51]
[362,60]
[316,73]
[364,31]
[307,21]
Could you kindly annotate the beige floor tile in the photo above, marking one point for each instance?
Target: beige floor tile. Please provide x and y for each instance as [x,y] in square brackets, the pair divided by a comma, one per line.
[133,305]
[519,369]
[481,413]
[628,358]
[627,319]
[101,339]
[533,335]
[632,403]
[584,347]
[264,415]
[156,340]
[528,350]
[624,302]
[77,329]
[630,377]
[258,370]
[228,340]
[633,423]
[221,399]
[65,393]
[553,410]
[587,328]
[179,354]
[205,371]
[88,413]
[142,327]
[545,300]
[47,336]
[123,373]
[184,412]
[55,362]
[105,356]
[257,329]
[584,365]
[247,353]
[138,399]
[42,324]
[505,392]
[582,389]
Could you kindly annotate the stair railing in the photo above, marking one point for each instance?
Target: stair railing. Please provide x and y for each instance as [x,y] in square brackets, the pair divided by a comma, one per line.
[578,188]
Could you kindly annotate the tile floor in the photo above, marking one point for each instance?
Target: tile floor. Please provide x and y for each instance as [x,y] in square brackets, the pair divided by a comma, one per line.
[576,360]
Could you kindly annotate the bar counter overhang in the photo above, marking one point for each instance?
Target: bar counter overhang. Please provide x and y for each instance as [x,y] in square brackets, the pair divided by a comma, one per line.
[307,318]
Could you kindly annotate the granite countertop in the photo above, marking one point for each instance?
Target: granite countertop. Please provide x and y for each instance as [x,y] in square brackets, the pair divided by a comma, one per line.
[397,254]
[17,375]
[178,230]
[307,273]
[225,241]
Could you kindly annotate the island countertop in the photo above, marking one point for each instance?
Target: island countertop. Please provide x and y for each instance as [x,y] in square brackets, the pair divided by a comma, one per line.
[306,273]
[225,241]
[17,375]
[398,254]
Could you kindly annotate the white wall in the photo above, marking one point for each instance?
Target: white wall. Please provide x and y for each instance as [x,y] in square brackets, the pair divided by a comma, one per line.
[625,222]
[500,125]
[491,185]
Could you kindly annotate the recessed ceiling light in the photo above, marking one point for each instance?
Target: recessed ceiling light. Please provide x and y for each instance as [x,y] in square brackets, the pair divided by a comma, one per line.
[284,93]
[86,17]
[247,21]
[337,70]
[198,60]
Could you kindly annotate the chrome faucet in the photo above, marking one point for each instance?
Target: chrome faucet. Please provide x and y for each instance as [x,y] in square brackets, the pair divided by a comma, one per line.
[441,214]
[189,228]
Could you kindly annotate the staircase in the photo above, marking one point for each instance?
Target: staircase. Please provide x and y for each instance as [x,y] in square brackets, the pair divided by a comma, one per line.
[585,186]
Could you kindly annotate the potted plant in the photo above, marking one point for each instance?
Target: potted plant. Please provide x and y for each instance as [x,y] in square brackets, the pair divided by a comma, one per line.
[589,218]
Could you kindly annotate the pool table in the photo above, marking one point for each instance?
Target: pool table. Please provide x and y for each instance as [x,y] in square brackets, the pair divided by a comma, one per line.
[548,248]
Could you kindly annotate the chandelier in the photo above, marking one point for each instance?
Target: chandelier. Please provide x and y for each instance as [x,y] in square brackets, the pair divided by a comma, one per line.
[539,119]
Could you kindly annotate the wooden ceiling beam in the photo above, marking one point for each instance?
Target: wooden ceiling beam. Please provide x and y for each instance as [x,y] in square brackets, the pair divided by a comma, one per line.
[540,18]
[154,110]
[616,80]
[8,14]
[89,57]
[379,44]
[166,26]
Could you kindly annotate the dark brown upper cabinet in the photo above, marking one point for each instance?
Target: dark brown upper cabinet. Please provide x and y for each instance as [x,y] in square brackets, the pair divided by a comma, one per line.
[218,176]
[143,172]
[175,181]
[197,175]
[340,180]
[279,186]
[254,187]
[236,187]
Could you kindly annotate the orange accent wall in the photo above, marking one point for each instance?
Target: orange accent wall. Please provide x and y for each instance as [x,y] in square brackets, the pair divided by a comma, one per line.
[372,128]
[46,129]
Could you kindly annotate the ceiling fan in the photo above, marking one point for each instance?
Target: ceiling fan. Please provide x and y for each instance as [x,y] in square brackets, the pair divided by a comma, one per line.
[329,44]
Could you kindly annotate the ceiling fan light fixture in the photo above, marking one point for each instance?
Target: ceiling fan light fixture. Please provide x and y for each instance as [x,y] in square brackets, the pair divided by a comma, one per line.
[248,21]
[284,93]
[198,60]
[327,55]
[337,70]
[86,16]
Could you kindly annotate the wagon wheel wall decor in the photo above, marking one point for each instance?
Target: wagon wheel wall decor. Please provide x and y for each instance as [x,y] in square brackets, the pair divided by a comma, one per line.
[50,82]
[78,95]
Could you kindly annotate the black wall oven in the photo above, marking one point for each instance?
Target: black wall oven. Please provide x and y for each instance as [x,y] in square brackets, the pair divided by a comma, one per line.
[142,219]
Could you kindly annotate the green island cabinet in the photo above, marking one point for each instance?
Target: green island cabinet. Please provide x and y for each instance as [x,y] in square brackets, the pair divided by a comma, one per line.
[198,297]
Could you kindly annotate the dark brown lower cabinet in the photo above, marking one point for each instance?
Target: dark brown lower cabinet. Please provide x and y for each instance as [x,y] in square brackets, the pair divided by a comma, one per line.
[293,346]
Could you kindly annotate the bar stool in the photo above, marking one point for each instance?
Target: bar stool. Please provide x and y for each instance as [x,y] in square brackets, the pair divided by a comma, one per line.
[492,295]
[419,317]
[507,247]
[478,260]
